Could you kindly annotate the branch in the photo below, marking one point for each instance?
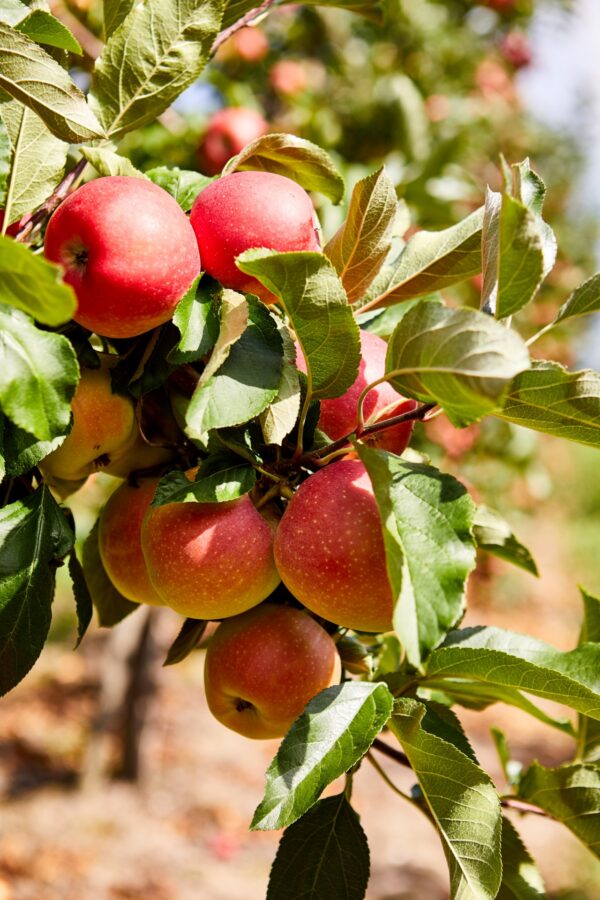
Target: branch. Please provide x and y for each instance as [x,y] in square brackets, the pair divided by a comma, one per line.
[522,807]
[397,755]
[48,206]
[241,23]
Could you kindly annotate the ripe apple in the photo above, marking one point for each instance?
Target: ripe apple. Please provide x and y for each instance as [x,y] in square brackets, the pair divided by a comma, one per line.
[339,416]
[329,549]
[288,77]
[251,209]
[210,560]
[120,541]
[13,229]
[228,132]
[128,251]
[264,666]
[249,45]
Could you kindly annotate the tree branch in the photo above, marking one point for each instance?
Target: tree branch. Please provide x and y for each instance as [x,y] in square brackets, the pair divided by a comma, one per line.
[397,755]
[241,23]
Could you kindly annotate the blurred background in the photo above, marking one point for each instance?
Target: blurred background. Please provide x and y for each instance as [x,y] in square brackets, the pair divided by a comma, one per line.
[115,780]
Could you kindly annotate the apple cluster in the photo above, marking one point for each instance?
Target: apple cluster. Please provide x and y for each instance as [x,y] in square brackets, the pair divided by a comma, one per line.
[131,253]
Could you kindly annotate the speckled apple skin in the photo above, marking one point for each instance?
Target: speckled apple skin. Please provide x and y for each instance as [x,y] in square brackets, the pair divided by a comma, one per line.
[210,560]
[329,549]
[142,255]
[250,209]
[228,132]
[275,658]
[120,541]
[339,415]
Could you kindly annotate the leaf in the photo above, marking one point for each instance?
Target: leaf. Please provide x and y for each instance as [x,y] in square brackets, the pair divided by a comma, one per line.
[371,9]
[335,730]
[521,879]
[494,534]
[243,386]
[588,738]
[434,260]
[197,319]
[22,450]
[114,11]
[426,519]
[38,376]
[461,799]
[13,11]
[44,28]
[513,259]
[443,722]
[5,152]
[550,399]
[462,359]
[33,77]
[324,854]
[187,640]
[384,321]
[106,162]
[83,598]
[280,416]
[181,184]
[318,310]
[34,537]
[570,794]
[527,187]
[233,322]
[506,659]
[111,607]
[157,51]
[219,480]
[584,300]
[34,285]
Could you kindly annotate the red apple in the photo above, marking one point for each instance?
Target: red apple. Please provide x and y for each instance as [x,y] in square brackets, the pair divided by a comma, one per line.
[288,77]
[329,549]
[128,251]
[250,209]
[13,229]
[228,132]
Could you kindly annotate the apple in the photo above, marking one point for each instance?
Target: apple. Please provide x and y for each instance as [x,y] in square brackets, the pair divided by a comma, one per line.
[249,45]
[251,209]
[516,49]
[288,77]
[128,251]
[120,541]
[329,549]
[264,666]
[210,560]
[228,132]
[12,230]
[338,416]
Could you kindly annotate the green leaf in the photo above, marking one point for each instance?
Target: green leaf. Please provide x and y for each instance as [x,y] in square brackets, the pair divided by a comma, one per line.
[44,28]
[521,879]
[434,260]
[34,285]
[5,152]
[293,157]
[462,802]
[324,854]
[501,658]
[426,519]
[527,187]
[384,321]
[13,11]
[513,259]
[462,359]
[280,416]
[551,399]
[38,161]
[570,794]
[107,162]
[198,322]
[187,640]
[34,537]
[316,304]
[443,722]
[588,738]
[370,9]
[22,450]
[219,480]
[494,534]
[335,730]
[33,77]
[241,387]
[83,598]
[233,323]
[158,50]
[181,184]
[114,11]
[38,376]
[111,607]
[584,300]
[360,246]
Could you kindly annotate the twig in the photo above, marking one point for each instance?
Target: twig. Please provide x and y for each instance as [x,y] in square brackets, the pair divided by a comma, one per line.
[522,807]
[54,200]
[241,23]
[397,755]
[387,779]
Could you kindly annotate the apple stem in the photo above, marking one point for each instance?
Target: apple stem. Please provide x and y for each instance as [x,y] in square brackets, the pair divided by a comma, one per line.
[241,23]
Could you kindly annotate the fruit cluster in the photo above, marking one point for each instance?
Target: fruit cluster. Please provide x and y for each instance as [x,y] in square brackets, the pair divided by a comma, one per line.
[130,253]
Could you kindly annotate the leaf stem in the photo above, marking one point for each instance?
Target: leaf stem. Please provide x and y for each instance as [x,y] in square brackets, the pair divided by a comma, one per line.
[241,23]
[540,333]
[509,802]
[383,774]
[397,755]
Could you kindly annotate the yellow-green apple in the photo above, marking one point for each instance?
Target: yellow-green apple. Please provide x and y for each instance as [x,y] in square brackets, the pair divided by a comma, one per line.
[120,541]
[251,209]
[228,132]
[264,666]
[329,549]
[210,560]
[338,416]
[128,251]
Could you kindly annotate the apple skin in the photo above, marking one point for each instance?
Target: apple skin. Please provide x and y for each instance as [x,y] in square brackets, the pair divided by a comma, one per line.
[329,549]
[120,541]
[12,230]
[338,416]
[210,560]
[251,209]
[227,133]
[264,666]
[128,252]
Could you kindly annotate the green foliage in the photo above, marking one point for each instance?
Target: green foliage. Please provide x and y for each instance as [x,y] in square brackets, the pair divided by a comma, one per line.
[220,478]
[106,162]
[494,534]
[520,877]
[187,640]
[44,28]
[588,738]
[184,186]
[197,320]
[33,285]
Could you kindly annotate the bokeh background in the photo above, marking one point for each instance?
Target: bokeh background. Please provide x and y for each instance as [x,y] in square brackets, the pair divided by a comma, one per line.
[115,780]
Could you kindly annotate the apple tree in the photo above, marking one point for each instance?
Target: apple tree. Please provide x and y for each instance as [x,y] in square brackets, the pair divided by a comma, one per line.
[255,383]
